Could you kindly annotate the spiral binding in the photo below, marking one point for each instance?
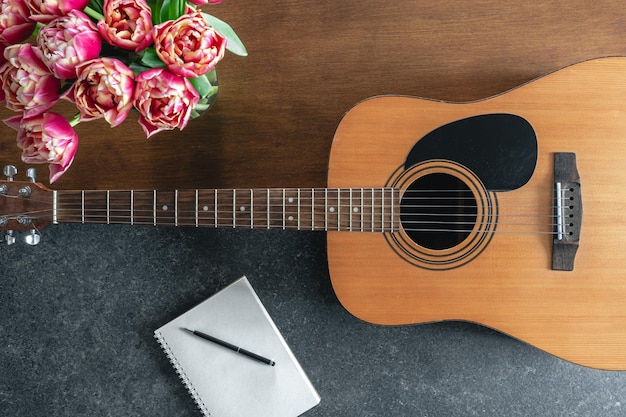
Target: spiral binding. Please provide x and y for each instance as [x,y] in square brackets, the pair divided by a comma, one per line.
[182,375]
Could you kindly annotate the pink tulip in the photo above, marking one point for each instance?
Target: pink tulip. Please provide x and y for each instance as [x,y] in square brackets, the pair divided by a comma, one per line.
[68,41]
[46,138]
[104,88]
[45,11]
[188,46]
[15,22]
[164,100]
[28,85]
[127,24]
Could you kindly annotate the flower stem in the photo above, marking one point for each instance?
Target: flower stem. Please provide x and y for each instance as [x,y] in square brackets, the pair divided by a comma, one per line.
[75,120]
[92,13]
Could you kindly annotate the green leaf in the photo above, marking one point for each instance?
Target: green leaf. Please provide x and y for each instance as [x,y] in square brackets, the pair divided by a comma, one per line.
[155,6]
[137,68]
[96,5]
[204,86]
[201,84]
[172,10]
[233,43]
[150,59]
[164,12]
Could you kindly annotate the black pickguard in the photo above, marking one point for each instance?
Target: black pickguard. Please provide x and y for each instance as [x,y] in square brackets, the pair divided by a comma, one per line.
[501,149]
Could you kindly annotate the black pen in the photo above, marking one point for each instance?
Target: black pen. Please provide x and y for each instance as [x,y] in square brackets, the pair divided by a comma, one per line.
[232,347]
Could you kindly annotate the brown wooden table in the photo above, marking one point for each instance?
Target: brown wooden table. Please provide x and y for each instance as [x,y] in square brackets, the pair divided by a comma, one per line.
[310,61]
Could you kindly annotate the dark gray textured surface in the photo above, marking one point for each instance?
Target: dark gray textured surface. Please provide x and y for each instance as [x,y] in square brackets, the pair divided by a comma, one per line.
[77,314]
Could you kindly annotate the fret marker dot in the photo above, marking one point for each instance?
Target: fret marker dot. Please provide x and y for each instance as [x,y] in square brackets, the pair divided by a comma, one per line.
[242,208]
[290,218]
[165,207]
[290,199]
[205,208]
[332,209]
[356,209]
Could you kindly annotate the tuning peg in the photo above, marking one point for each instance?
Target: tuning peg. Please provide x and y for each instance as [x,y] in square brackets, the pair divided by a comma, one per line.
[10,171]
[9,238]
[32,238]
[31,173]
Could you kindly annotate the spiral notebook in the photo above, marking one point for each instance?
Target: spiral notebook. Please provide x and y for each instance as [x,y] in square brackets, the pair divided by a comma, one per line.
[225,383]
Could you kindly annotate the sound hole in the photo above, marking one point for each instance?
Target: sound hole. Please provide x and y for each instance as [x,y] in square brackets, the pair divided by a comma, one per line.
[438,211]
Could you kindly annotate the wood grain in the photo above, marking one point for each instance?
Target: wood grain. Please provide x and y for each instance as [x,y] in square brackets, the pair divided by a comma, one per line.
[310,61]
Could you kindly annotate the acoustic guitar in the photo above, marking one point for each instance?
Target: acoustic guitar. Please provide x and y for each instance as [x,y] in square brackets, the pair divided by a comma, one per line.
[506,211]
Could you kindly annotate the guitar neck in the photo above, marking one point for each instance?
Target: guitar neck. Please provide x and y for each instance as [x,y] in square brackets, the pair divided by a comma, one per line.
[342,209]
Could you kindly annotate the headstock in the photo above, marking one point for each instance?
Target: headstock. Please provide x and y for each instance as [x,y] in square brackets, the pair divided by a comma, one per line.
[24,205]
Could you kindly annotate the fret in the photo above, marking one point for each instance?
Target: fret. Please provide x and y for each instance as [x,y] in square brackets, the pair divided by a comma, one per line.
[306,209]
[268,208]
[382,211]
[342,222]
[319,209]
[356,210]
[385,216]
[243,209]
[373,210]
[91,207]
[333,209]
[283,209]
[196,208]
[119,210]
[186,207]
[218,210]
[312,208]
[362,206]
[338,209]
[205,208]
[165,211]
[140,208]
[154,209]
[347,209]
[233,210]
[215,217]
[350,210]
[292,209]
[55,204]
[274,213]
[376,208]
[392,210]
[259,208]
[326,209]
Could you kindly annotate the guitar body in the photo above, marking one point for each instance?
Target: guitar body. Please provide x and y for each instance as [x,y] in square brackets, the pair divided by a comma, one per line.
[502,276]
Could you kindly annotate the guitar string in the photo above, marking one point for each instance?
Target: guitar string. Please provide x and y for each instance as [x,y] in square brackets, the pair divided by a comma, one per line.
[281,222]
[227,222]
[366,206]
[123,202]
[304,207]
[228,214]
[228,225]
[356,201]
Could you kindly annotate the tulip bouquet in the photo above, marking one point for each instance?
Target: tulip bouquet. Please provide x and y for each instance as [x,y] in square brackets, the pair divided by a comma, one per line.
[155,58]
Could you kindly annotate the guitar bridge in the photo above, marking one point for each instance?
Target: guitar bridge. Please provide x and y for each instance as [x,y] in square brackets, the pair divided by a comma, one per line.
[568,211]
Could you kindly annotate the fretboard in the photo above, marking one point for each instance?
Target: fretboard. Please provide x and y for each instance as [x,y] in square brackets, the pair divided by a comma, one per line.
[353,209]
